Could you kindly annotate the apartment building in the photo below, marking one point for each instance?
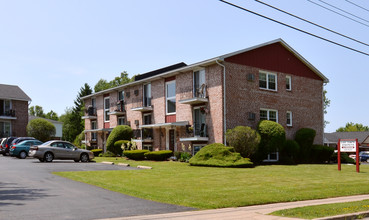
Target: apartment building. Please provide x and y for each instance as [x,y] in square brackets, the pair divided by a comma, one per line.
[193,105]
[13,111]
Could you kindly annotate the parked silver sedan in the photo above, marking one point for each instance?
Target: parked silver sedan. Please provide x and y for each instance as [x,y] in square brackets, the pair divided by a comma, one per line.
[63,150]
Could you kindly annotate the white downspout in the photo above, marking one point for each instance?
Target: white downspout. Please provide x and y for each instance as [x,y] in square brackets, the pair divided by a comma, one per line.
[224,102]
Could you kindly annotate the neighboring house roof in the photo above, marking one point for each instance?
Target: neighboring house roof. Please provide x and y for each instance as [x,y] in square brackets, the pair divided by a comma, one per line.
[160,71]
[212,61]
[31,117]
[361,136]
[13,92]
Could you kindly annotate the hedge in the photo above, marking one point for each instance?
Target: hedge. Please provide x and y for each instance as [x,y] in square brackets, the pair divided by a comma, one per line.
[158,155]
[321,154]
[118,144]
[305,138]
[218,155]
[135,154]
[96,152]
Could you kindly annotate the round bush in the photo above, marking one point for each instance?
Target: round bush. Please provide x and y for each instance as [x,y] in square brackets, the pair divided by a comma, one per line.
[273,137]
[244,140]
[135,154]
[40,129]
[158,155]
[321,154]
[121,132]
[218,155]
[118,144]
[305,138]
[96,152]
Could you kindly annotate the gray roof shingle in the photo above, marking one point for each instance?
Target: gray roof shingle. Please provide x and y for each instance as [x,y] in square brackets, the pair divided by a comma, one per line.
[13,93]
[333,137]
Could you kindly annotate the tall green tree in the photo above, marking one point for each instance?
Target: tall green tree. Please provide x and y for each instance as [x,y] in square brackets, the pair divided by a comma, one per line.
[103,84]
[52,115]
[326,104]
[37,111]
[353,127]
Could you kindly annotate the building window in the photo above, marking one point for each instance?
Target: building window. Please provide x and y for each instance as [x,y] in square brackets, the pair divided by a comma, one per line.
[199,86]
[147,95]
[121,96]
[93,127]
[147,119]
[199,119]
[121,121]
[147,147]
[289,118]
[272,157]
[5,129]
[93,102]
[170,95]
[106,109]
[288,83]
[269,114]
[268,81]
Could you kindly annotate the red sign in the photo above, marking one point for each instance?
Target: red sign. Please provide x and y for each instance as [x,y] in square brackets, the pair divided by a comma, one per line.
[348,145]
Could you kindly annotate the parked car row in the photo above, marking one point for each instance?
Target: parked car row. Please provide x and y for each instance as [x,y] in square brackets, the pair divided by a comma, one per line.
[46,152]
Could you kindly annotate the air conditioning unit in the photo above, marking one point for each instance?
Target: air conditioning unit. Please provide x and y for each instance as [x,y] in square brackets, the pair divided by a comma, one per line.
[250,77]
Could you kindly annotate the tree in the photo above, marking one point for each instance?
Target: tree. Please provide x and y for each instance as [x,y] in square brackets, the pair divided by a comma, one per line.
[244,140]
[326,104]
[52,115]
[103,84]
[37,111]
[41,129]
[121,132]
[353,127]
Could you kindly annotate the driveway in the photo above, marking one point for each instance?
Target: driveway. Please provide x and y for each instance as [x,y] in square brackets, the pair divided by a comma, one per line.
[28,190]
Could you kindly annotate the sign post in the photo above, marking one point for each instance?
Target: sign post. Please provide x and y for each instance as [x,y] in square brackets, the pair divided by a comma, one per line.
[348,145]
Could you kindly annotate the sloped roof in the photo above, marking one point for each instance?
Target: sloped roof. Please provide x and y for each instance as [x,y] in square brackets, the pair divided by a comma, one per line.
[333,137]
[13,92]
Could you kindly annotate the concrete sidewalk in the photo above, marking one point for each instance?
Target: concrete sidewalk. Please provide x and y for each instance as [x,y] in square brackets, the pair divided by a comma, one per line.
[257,212]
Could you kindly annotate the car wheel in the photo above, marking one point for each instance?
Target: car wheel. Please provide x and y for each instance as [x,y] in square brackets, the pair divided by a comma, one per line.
[84,158]
[22,155]
[48,157]
[41,160]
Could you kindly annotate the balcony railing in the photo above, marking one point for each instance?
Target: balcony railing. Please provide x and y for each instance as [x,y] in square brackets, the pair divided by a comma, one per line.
[199,130]
[143,134]
[8,113]
[91,111]
[147,101]
[120,106]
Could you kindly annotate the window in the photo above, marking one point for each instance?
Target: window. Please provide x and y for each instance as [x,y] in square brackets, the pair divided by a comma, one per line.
[199,119]
[268,81]
[199,84]
[5,130]
[93,102]
[289,118]
[93,127]
[106,109]
[147,119]
[121,96]
[170,95]
[288,83]
[147,95]
[268,114]
[147,147]
[272,157]
[121,120]
[197,148]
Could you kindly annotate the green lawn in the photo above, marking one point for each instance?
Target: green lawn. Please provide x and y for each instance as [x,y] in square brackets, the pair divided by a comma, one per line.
[207,187]
[319,211]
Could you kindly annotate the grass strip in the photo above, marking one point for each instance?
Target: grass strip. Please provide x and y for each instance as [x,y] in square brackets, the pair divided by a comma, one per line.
[209,187]
[319,211]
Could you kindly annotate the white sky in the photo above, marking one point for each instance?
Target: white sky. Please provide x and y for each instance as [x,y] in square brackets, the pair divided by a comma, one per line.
[51,48]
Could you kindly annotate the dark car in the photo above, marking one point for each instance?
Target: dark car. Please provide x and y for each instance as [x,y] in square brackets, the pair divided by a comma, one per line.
[21,149]
[6,145]
[2,145]
[364,156]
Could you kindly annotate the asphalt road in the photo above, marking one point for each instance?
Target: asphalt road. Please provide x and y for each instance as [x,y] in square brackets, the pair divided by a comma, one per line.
[29,191]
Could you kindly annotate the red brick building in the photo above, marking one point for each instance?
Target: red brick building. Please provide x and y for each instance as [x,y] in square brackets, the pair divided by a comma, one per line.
[13,111]
[193,105]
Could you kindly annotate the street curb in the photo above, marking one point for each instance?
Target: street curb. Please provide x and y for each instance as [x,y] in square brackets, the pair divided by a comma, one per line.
[144,167]
[350,216]
[123,164]
[106,162]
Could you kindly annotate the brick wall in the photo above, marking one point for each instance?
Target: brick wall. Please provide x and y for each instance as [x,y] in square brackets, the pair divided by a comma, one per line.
[19,126]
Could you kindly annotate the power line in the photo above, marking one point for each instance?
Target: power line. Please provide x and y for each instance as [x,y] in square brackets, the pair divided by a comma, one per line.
[295,16]
[338,13]
[343,10]
[357,5]
[297,29]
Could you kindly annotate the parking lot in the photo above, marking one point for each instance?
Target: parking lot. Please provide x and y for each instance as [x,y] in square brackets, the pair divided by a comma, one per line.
[28,190]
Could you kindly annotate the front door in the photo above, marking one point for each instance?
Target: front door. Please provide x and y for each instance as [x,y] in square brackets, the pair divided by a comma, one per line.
[172,139]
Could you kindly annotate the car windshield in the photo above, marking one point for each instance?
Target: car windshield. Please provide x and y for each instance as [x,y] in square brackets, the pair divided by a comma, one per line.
[47,143]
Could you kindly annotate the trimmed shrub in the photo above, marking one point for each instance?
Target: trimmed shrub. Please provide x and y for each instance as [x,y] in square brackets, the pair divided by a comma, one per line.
[135,154]
[121,132]
[244,140]
[273,137]
[40,129]
[289,152]
[118,144]
[185,157]
[218,155]
[344,158]
[107,154]
[158,155]
[305,138]
[96,152]
[321,154]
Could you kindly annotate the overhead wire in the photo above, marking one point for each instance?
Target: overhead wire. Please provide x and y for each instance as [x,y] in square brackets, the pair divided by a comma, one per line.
[327,29]
[343,11]
[338,13]
[295,28]
[357,5]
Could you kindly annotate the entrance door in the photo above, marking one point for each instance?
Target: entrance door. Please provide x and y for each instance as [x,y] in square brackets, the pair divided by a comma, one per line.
[172,139]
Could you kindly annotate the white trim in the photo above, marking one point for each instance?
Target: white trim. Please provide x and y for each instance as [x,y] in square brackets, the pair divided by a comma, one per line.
[290,82]
[106,110]
[290,124]
[177,123]
[268,73]
[170,98]
[270,160]
[269,110]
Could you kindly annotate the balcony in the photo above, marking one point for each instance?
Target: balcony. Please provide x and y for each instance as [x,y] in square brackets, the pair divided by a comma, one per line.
[119,110]
[8,114]
[143,135]
[145,107]
[196,133]
[90,113]
[199,97]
